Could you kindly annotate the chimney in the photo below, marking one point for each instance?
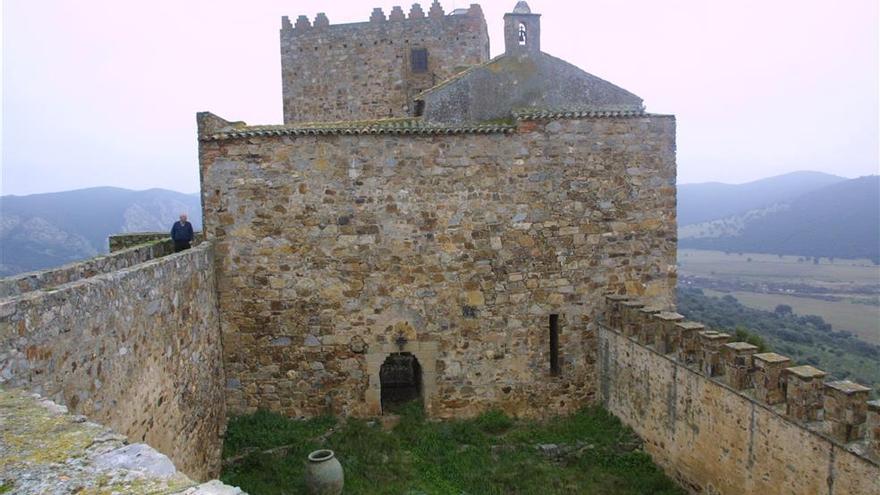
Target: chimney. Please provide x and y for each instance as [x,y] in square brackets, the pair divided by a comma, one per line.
[522,30]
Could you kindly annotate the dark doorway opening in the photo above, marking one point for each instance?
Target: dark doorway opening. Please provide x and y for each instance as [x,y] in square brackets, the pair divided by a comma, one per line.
[400,379]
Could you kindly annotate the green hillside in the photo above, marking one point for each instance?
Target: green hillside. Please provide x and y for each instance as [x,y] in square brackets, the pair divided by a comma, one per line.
[713,200]
[841,220]
[807,339]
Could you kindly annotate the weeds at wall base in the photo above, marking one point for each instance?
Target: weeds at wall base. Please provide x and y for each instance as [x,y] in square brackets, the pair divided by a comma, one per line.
[587,452]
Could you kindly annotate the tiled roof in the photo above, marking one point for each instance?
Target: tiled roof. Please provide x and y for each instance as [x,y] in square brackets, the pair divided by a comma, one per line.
[410,126]
[575,113]
[353,128]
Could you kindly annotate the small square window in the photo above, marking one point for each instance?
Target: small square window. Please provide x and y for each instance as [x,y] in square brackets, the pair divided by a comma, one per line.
[419,59]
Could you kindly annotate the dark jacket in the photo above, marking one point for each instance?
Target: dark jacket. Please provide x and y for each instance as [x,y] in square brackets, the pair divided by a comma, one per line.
[182,232]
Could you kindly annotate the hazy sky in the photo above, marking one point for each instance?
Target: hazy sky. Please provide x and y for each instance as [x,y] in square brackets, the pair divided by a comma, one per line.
[104,92]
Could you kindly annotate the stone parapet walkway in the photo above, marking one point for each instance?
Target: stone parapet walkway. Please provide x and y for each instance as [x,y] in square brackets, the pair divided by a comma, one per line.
[45,450]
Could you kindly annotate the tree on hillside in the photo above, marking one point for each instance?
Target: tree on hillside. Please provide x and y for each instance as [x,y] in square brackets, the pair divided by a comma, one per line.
[742,334]
[783,310]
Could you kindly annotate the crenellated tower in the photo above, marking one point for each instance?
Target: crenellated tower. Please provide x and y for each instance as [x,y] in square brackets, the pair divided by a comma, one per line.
[370,70]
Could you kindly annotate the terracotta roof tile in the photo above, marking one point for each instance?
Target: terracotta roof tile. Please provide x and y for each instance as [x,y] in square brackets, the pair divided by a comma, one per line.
[353,128]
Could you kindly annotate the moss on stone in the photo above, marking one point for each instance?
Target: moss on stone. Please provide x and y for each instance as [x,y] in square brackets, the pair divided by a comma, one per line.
[44,448]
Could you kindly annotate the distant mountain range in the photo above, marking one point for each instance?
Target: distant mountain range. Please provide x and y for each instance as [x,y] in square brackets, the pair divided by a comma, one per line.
[803,213]
[713,200]
[39,231]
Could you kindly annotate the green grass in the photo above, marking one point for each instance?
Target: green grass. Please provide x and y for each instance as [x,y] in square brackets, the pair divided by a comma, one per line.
[264,430]
[490,454]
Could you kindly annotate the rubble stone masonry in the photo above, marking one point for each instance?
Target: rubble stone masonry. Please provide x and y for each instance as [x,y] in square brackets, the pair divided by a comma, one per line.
[716,439]
[45,450]
[137,349]
[118,242]
[365,70]
[134,254]
[335,250]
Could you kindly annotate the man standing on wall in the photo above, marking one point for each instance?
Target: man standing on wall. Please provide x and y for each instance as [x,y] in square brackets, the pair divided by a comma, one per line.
[182,234]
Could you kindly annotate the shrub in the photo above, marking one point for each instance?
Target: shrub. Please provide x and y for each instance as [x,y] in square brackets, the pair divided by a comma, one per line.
[783,310]
[494,422]
[743,335]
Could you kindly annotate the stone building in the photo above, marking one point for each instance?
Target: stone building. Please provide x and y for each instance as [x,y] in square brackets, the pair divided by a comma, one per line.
[429,223]
[374,69]
[506,239]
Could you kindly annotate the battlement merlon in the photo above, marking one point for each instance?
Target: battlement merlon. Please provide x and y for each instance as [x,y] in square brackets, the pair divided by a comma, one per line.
[375,68]
[471,16]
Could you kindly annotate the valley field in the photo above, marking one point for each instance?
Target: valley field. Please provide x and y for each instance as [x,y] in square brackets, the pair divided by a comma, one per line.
[848,315]
[844,292]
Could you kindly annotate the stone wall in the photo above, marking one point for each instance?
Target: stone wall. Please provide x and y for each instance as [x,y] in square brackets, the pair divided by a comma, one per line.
[119,242]
[124,241]
[332,248]
[525,83]
[45,450]
[363,70]
[137,349]
[744,423]
[47,279]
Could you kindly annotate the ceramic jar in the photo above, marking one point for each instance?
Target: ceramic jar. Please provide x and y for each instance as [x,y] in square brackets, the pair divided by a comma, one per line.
[323,473]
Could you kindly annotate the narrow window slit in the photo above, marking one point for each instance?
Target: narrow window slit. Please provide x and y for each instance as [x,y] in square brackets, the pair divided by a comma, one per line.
[554,345]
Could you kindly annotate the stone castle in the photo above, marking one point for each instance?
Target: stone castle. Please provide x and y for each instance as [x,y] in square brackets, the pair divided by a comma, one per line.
[441,213]
[430,224]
